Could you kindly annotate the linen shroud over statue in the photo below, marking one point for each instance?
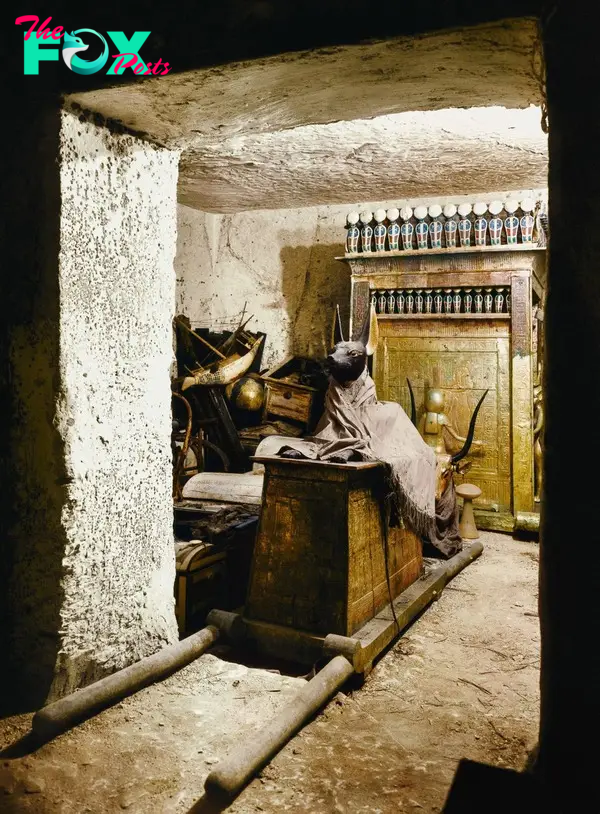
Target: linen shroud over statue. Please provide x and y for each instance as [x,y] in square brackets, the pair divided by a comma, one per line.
[373,430]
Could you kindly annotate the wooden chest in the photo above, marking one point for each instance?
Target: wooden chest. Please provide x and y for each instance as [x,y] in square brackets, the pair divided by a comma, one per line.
[200,583]
[288,397]
[319,558]
[288,401]
[213,567]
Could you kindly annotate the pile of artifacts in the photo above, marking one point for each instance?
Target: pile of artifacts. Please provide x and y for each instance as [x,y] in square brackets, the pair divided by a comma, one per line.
[231,418]
[213,550]
[224,405]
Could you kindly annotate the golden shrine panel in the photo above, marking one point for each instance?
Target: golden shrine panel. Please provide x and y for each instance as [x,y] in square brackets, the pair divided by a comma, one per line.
[463,359]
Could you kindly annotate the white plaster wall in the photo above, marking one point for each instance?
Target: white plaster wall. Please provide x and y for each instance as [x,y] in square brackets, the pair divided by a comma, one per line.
[282,263]
[279,262]
[117,293]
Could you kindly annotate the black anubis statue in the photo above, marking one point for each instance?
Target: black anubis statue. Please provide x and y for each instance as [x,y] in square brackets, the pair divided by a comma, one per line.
[346,362]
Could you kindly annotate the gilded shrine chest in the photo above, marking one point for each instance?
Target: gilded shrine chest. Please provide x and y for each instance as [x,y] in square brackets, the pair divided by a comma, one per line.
[320,554]
[463,319]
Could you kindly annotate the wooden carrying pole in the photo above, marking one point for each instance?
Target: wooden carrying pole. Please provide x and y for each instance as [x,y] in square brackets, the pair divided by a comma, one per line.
[231,775]
[60,715]
[348,655]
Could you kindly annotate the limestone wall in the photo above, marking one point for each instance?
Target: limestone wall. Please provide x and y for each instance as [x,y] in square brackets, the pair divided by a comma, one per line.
[117,286]
[280,262]
[91,567]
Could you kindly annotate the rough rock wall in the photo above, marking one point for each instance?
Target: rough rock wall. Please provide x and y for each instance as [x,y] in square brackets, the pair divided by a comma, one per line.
[431,152]
[118,227]
[468,67]
[281,263]
[443,111]
[86,550]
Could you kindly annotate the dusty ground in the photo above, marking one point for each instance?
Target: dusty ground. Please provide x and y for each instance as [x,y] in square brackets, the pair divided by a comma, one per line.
[462,682]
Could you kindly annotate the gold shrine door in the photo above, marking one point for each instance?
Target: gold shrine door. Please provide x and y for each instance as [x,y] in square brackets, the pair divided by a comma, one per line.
[464,359]
[464,354]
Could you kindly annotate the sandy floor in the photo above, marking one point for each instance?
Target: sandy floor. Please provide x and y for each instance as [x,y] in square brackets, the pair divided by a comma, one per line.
[462,682]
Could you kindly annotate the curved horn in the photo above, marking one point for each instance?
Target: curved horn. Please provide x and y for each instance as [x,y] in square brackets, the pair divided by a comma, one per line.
[337,334]
[369,335]
[413,409]
[467,445]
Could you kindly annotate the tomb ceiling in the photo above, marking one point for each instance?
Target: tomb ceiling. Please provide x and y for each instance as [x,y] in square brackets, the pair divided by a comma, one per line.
[455,112]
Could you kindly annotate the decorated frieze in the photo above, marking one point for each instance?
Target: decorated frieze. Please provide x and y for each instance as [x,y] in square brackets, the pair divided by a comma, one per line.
[442,301]
[450,227]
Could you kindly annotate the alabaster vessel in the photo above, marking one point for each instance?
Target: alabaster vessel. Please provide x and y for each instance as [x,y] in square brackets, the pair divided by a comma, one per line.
[511,222]
[391,303]
[366,232]
[428,301]
[464,225]
[468,301]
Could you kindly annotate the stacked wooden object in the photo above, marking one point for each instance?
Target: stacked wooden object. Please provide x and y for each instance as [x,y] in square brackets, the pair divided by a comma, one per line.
[213,552]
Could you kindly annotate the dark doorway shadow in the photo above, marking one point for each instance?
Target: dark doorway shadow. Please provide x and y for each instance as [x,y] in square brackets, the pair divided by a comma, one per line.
[481,789]
[34,482]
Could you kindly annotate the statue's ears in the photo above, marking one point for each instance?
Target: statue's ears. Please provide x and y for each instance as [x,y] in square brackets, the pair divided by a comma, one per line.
[337,335]
[370,332]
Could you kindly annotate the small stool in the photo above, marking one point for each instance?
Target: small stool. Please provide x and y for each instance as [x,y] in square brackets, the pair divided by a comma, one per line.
[467,527]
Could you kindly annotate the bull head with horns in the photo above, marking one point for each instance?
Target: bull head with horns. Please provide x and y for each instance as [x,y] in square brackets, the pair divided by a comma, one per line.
[447,464]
